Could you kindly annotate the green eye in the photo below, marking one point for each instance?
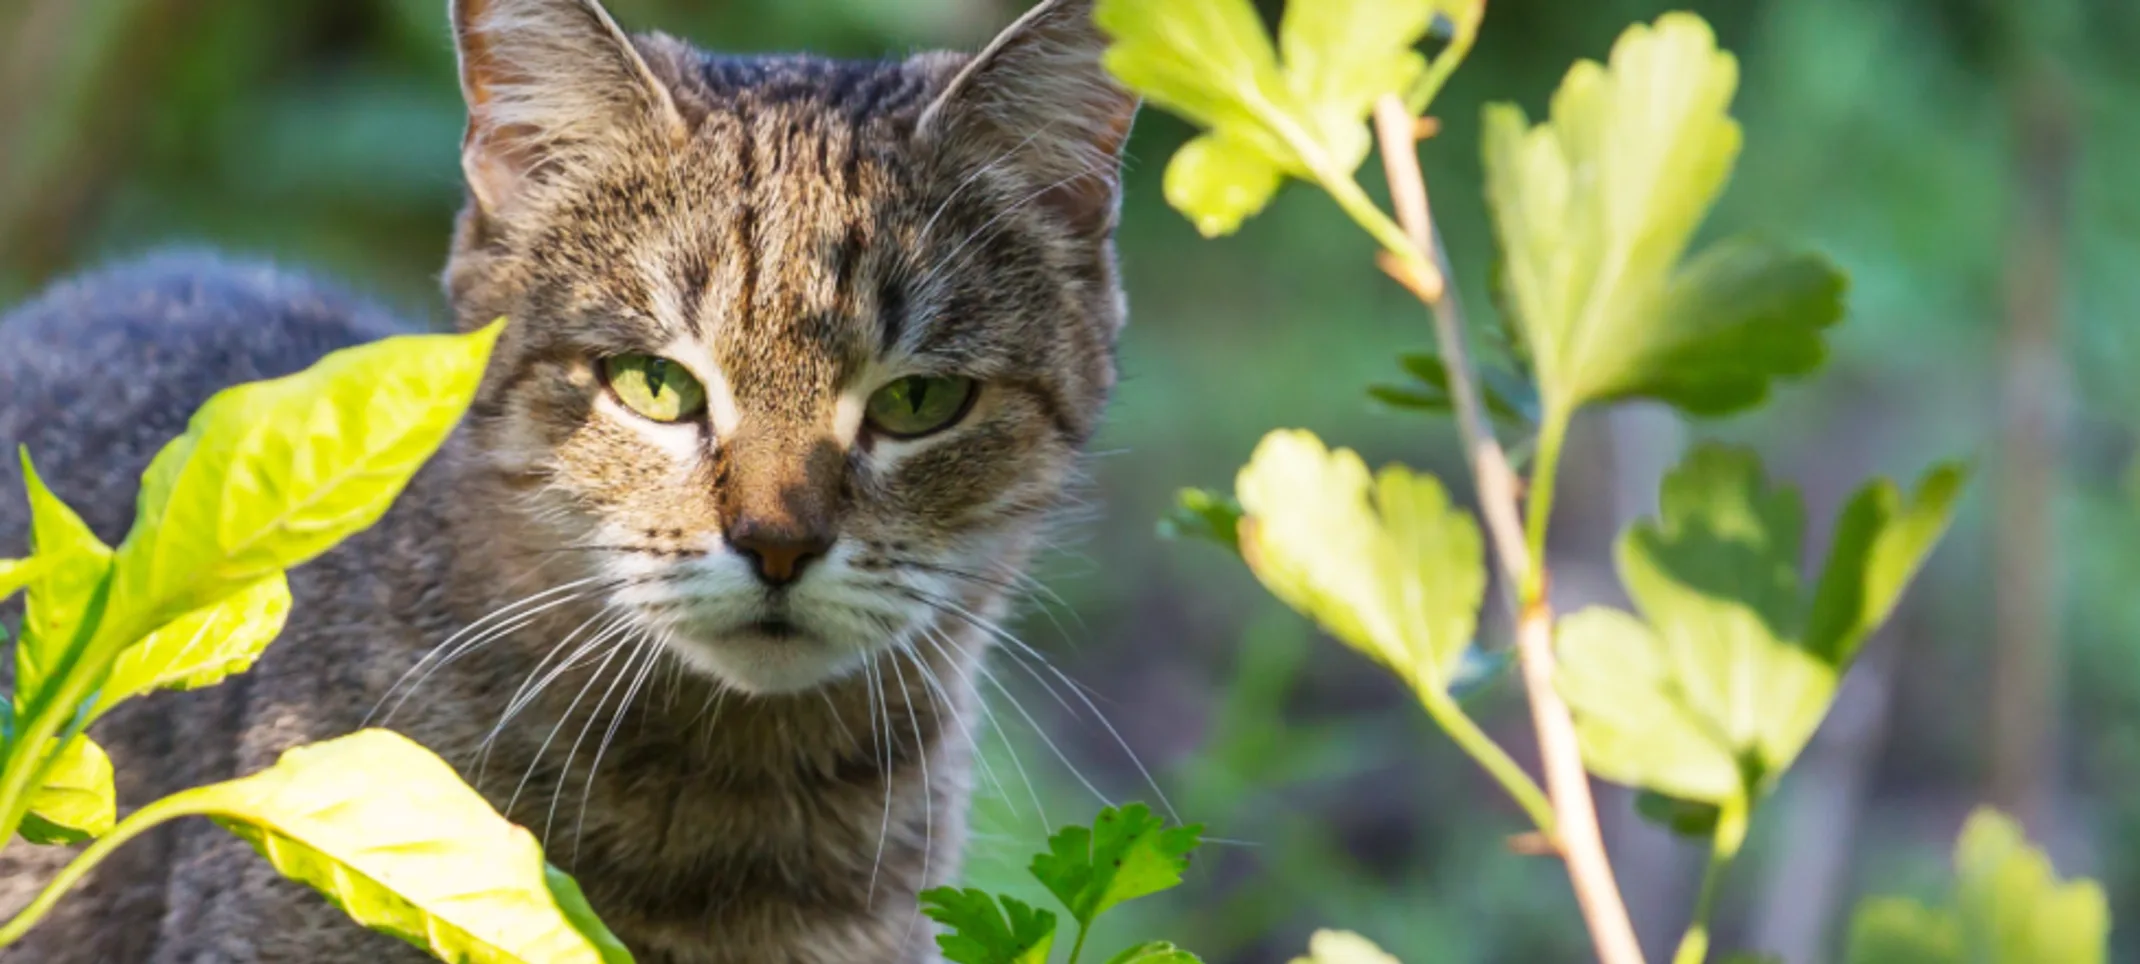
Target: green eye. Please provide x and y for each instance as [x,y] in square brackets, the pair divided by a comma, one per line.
[656,388]
[916,406]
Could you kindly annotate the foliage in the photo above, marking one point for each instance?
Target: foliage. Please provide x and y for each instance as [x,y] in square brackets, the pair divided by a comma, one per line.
[269,475]
[2009,908]
[1705,700]
[1127,853]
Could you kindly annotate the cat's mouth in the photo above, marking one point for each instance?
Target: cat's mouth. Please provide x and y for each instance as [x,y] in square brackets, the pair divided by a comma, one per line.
[774,628]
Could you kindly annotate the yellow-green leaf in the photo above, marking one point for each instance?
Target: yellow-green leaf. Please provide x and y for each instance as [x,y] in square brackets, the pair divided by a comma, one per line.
[270,474]
[1212,61]
[391,835]
[1384,563]
[77,801]
[1343,947]
[1595,208]
[69,567]
[1718,687]
[2010,908]
[203,647]
[1880,542]
[1156,952]
[17,573]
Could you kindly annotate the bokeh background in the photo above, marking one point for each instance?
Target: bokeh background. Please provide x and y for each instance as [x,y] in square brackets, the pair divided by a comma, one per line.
[1969,161]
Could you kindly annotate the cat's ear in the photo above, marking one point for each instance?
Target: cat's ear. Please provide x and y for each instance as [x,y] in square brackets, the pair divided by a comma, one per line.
[549,82]
[1038,99]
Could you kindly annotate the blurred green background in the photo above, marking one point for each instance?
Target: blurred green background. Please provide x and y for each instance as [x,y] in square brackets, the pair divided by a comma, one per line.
[1967,160]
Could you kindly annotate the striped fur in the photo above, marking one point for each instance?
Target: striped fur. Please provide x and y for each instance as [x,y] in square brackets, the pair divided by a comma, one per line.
[797,232]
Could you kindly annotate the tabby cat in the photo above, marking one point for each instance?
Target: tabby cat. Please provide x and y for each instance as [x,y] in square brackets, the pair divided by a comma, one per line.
[802,355]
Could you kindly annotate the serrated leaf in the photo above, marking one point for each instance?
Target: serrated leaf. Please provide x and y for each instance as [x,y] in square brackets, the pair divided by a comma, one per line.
[270,474]
[1594,209]
[984,933]
[1385,564]
[1716,689]
[61,589]
[2010,908]
[76,803]
[1156,952]
[203,647]
[1127,853]
[1203,514]
[1343,947]
[1211,61]
[387,832]
[1879,544]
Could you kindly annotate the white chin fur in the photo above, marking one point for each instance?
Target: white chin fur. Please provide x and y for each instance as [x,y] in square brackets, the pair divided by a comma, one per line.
[757,664]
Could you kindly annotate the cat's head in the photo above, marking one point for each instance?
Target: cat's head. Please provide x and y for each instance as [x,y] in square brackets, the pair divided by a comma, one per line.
[801,352]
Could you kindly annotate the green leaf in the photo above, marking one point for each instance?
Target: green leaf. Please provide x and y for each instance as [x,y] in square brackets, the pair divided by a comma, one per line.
[203,647]
[77,802]
[1879,544]
[1594,210]
[1343,947]
[1714,692]
[2010,908]
[270,474]
[1384,564]
[391,835]
[1204,514]
[1508,396]
[1894,930]
[63,587]
[1156,952]
[15,574]
[983,933]
[2014,908]
[1211,61]
[1127,853]
[1686,818]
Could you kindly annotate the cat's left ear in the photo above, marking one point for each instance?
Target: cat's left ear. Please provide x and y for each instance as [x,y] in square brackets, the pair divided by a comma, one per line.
[1038,100]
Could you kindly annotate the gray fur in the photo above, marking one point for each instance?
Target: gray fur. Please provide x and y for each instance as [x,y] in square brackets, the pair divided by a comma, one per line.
[793,229]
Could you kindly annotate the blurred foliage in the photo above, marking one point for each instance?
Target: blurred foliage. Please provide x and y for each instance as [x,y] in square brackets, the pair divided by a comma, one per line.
[325,133]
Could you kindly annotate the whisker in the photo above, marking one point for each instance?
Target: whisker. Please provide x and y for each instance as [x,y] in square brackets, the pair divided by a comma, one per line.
[928,793]
[505,613]
[653,659]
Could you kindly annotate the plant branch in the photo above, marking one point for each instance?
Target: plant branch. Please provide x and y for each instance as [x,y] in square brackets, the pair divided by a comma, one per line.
[1582,845]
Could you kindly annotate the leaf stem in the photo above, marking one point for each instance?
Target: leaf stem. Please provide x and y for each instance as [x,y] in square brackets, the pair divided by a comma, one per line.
[169,808]
[1078,947]
[1730,834]
[26,764]
[1545,471]
[1465,731]
[1582,845]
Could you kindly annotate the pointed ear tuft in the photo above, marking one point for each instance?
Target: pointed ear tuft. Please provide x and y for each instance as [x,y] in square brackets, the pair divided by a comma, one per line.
[549,83]
[1039,100]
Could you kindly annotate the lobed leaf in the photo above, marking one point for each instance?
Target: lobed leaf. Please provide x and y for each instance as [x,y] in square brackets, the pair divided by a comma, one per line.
[1715,690]
[1212,62]
[1879,544]
[15,574]
[984,933]
[1594,209]
[1385,564]
[387,831]
[77,802]
[2010,908]
[1127,853]
[63,578]
[270,474]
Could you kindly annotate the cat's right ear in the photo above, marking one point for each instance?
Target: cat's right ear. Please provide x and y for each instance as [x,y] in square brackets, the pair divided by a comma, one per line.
[549,83]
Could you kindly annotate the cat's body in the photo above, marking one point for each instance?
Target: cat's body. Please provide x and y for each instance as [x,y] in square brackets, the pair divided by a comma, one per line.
[724,662]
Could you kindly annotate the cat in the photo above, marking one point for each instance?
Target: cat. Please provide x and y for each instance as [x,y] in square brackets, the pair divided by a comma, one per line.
[801,358]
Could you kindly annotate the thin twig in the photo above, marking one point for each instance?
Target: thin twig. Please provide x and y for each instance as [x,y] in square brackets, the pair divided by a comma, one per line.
[1580,842]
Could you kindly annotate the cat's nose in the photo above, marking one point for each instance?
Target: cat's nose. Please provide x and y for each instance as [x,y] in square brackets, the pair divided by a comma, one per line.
[778,553]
